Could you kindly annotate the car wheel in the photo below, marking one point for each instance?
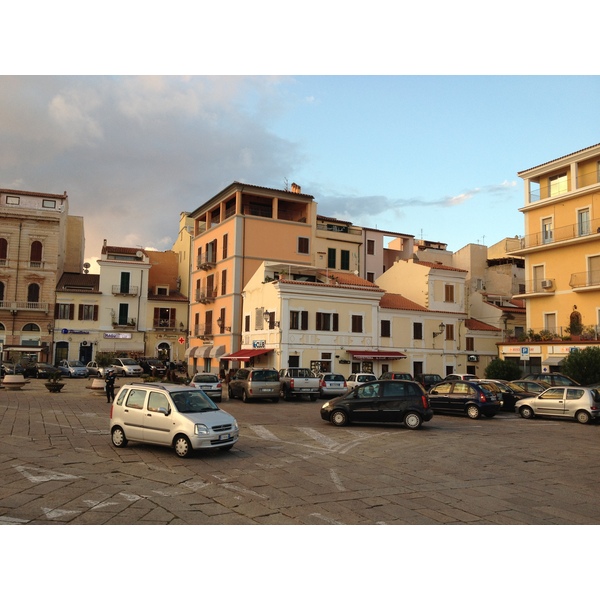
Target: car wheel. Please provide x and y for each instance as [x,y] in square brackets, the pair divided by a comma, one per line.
[283,395]
[118,438]
[413,420]
[244,396]
[526,412]
[182,446]
[473,412]
[339,418]
[583,417]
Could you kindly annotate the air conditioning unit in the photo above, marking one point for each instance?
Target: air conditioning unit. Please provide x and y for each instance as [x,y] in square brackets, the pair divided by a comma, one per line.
[546,284]
[473,358]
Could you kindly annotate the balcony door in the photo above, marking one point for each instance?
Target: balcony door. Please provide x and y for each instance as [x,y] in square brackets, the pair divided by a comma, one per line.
[125,279]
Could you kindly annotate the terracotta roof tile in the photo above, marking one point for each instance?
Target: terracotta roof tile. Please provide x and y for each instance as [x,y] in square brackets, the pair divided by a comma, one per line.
[476,325]
[399,302]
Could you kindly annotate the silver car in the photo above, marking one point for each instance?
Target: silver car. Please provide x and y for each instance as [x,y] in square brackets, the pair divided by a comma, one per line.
[357,378]
[579,403]
[251,383]
[178,416]
[73,368]
[127,367]
[210,384]
[332,384]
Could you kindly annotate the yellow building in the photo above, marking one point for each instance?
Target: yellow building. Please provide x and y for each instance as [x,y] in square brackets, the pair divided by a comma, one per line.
[561,248]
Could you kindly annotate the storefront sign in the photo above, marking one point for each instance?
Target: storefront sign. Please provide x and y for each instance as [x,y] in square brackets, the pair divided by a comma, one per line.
[74,331]
[117,336]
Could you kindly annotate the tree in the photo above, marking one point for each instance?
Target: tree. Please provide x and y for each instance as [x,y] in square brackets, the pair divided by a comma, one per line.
[583,366]
[502,369]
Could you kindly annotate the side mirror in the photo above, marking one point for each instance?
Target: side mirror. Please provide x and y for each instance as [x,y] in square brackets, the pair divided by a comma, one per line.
[164,411]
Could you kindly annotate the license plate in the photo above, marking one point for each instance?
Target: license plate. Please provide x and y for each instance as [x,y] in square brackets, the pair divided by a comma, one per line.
[205,387]
[225,436]
[266,390]
[306,390]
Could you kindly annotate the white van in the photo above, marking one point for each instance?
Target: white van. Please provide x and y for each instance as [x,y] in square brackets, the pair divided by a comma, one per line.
[166,414]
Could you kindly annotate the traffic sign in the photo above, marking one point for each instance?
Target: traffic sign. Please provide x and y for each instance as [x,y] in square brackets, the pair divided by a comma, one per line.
[524,353]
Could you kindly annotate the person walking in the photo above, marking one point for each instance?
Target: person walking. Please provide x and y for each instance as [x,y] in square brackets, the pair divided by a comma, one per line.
[109,384]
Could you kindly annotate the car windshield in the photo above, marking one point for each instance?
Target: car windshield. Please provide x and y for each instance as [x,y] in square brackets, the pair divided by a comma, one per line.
[193,401]
[265,376]
[155,363]
[128,361]
[76,363]
[205,379]
[333,377]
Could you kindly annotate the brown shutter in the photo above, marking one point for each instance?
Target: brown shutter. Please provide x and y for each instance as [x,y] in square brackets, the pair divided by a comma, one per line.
[95,312]
[79,312]
[304,320]
[335,322]
[71,311]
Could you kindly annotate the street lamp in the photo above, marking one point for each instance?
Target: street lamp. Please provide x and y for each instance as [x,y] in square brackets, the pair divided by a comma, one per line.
[221,326]
[441,328]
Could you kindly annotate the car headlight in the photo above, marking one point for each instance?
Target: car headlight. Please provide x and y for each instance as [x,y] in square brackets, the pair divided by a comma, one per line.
[235,424]
[326,405]
[200,429]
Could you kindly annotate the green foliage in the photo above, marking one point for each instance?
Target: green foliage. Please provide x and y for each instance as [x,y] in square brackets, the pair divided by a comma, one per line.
[502,369]
[104,359]
[583,366]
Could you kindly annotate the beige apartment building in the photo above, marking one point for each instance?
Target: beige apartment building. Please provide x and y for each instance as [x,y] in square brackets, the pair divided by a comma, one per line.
[39,241]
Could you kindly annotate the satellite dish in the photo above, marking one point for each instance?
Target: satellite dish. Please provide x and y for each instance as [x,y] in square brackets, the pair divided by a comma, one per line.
[86,265]
[139,254]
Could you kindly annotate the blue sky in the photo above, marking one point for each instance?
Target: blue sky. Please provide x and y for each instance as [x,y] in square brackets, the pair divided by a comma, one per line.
[432,156]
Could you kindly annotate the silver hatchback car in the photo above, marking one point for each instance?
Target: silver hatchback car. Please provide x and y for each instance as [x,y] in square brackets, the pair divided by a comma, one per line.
[254,382]
[580,403]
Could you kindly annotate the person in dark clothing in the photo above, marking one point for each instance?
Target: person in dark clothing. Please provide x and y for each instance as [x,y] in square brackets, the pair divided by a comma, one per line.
[109,384]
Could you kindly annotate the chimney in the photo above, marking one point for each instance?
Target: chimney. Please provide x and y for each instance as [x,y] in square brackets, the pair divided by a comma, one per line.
[296,189]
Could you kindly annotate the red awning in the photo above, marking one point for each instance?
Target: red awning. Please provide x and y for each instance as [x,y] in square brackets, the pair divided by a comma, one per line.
[246,354]
[376,355]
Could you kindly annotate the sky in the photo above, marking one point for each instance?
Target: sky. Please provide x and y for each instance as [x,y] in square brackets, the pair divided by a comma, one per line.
[412,119]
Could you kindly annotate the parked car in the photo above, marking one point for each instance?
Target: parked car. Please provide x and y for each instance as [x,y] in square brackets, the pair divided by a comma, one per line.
[380,401]
[332,384]
[95,370]
[210,384]
[460,377]
[44,370]
[9,368]
[395,375]
[553,379]
[127,367]
[508,393]
[530,386]
[298,382]
[178,416]
[428,379]
[580,403]
[153,367]
[464,397]
[355,379]
[73,368]
[253,383]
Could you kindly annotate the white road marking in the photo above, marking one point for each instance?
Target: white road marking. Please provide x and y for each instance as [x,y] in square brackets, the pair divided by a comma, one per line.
[319,437]
[243,490]
[12,521]
[264,433]
[336,480]
[326,519]
[47,476]
[57,513]
[99,504]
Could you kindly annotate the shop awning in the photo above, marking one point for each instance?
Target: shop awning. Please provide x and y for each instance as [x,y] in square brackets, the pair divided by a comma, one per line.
[553,361]
[191,351]
[32,349]
[217,351]
[246,354]
[376,355]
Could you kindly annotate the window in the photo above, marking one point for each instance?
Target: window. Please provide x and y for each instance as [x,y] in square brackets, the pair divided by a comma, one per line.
[449,292]
[162,291]
[326,321]
[64,311]
[558,184]
[223,282]
[3,251]
[303,245]
[371,277]
[221,319]
[14,200]
[470,344]
[357,324]
[35,254]
[417,331]
[550,322]
[331,258]
[386,328]
[33,292]
[547,235]
[211,252]
[594,270]
[583,221]
[225,239]
[345,260]
[123,314]
[449,332]
[208,322]
[2,291]
[538,276]
[88,312]
[371,247]
[299,319]
[48,203]
[247,323]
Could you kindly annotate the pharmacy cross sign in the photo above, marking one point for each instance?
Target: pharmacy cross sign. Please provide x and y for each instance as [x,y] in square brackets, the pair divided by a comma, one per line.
[181,340]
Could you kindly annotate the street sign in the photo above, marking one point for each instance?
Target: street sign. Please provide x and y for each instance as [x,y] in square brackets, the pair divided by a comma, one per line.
[524,353]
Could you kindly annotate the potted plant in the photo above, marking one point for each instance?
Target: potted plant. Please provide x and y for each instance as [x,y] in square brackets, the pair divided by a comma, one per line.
[54,384]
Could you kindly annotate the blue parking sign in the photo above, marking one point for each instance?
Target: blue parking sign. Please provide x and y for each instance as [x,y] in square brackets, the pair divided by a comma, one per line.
[524,353]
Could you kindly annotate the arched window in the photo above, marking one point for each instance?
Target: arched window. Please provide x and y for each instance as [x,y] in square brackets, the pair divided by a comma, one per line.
[35,255]
[33,292]
[2,328]
[1,291]
[31,327]
[3,251]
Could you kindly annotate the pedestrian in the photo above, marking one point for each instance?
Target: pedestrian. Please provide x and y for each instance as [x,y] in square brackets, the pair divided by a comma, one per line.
[109,384]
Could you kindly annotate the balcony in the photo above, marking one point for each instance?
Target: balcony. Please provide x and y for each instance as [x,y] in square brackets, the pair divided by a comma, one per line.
[164,324]
[559,188]
[560,235]
[537,287]
[204,332]
[14,307]
[206,296]
[120,290]
[554,334]
[129,324]
[585,281]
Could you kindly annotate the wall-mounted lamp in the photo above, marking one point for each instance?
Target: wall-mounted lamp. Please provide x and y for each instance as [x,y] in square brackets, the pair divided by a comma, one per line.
[267,317]
[221,326]
[182,328]
[49,328]
[441,328]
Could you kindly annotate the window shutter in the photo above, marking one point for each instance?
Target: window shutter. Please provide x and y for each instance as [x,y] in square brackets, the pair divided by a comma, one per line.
[80,312]
[95,312]
[56,309]
[71,311]
[304,320]
[335,322]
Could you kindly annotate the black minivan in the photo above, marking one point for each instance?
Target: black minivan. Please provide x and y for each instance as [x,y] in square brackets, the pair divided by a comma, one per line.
[380,401]
[465,397]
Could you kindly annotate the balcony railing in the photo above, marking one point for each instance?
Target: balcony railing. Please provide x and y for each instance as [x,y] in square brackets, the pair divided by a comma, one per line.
[539,286]
[561,234]
[206,296]
[585,279]
[555,334]
[16,306]
[164,324]
[120,290]
[203,331]
[129,324]
[553,190]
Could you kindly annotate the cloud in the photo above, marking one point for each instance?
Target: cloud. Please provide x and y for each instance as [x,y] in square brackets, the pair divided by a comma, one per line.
[134,152]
